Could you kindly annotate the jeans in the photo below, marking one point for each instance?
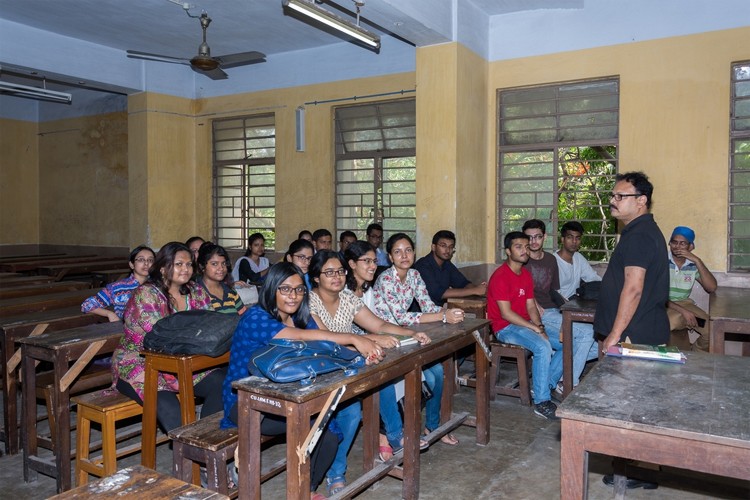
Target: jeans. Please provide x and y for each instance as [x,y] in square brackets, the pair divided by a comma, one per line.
[543,377]
[347,418]
[433,375]
[389,414]
[583,340]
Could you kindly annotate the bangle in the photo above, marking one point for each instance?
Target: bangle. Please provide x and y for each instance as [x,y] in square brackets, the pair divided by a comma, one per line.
[444,320]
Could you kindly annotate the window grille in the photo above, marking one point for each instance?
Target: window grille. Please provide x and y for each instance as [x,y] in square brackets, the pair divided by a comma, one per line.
[739,169]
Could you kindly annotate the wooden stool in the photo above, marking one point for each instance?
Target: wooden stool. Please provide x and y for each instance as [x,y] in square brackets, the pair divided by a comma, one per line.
[106,408]
[203,441]
[521,389]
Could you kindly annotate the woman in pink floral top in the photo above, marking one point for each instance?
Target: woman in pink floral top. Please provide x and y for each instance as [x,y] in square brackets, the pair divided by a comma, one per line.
[168,290]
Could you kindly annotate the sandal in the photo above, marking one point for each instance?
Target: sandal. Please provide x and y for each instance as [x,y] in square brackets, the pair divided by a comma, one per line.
[385,453]
[335,485]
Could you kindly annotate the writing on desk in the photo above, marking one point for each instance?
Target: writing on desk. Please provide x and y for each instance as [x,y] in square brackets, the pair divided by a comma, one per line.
[267,401]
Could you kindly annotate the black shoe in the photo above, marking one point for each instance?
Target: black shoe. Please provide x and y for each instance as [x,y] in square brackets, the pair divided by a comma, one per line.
[609,480]
[546,409]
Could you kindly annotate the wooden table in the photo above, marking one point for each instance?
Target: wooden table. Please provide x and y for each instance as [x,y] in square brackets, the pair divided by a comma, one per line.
[31,265]
[39,303]
[474,306]
[20,279]
[77,346]
[36,256]
[59,271]
[13,328]
[574,310]
[29,290]
[183,366]
[691,416]
[729,312]
[139,482]
[299,403]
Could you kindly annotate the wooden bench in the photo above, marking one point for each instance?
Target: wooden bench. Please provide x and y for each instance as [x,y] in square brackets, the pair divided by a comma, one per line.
[203,441]
[38,303]
[59,271]
[20,279]
[31,265]
[518,387]
[29,290]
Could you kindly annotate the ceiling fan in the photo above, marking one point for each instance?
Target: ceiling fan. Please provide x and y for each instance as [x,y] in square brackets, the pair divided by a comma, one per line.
[203,62]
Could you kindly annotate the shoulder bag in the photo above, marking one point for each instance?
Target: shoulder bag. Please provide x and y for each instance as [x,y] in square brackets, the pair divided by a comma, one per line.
[197,331]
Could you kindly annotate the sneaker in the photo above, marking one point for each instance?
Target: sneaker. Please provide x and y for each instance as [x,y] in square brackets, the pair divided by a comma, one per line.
[546,410]
[557,393]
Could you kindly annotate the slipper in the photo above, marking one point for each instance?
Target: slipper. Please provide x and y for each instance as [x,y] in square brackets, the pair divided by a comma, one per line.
[335,485]
[383,451]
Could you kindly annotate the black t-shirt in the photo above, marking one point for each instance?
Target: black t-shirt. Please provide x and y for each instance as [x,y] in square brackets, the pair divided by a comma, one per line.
[641,245]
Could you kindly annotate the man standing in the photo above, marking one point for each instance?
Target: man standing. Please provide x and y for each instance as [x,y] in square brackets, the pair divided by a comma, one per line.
[515,320]
[375,238]
[635,288]
[442,277]
[685,268]
[322,239]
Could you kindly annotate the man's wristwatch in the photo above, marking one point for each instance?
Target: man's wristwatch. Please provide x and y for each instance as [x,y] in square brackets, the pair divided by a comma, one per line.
[444,320]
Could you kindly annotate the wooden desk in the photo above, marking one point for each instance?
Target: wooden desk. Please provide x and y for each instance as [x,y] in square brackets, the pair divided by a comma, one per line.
[31,265]
[573,310]
[29,290]
[729,312]
[37,256]
[77,346]
[39,303]
[20,279]
[691,416]
[299,403]
[13,328]
[139,482]
[59,271]
[183,366]
[474,306]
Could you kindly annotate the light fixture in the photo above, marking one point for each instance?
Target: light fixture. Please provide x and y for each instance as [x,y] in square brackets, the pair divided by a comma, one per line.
[309,9]
[35,93]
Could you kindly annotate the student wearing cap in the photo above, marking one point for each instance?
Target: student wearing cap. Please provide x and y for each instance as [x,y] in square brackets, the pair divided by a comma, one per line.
[685,268]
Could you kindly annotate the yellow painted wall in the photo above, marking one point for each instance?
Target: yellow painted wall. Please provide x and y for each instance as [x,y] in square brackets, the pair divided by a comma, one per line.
[83,176]
[674,122]
[19,182]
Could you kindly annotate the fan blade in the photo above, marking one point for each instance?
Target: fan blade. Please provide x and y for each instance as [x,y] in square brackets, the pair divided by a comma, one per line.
[136,54]
[240,59]
[214,74]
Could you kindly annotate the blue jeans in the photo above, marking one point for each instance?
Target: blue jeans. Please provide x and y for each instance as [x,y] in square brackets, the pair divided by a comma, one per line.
[583,340]
[347,417]
[433,375]
[543,362]
[394,427]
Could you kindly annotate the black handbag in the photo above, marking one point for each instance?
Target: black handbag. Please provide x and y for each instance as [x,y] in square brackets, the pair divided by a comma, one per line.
[589,290]
[286,360]
[193,332]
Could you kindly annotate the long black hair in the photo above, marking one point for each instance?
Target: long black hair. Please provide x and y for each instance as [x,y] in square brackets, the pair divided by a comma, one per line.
[356,251]
[253,237]
[164,259]
[278,274]
[208,250]
[138,250]
[296,246]
[319,260]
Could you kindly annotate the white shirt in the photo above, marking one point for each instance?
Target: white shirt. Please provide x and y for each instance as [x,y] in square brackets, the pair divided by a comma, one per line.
[572,274]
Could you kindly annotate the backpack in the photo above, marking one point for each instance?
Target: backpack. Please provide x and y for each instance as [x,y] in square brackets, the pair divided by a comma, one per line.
[193,332]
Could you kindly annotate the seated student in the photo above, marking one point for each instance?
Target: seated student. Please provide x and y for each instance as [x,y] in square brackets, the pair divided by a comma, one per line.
[345,239]
[322,239]
[336,307]
[443,279]
[515,320]
[283,312]
[167,291]
[253,266]
[395,289]
[117,294]
[685,269]
[375,238]
[194,244]
[305,235]
[213,273]
[300,254]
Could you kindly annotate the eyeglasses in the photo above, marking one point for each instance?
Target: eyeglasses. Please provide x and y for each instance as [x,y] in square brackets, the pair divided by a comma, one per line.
[679,243]
[287,290]
[330,273]
[367,261]
[303,258]
[620,196]
[141,260]
[534,237]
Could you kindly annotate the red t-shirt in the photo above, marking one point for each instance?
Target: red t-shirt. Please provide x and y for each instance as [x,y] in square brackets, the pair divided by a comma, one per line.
[510,287]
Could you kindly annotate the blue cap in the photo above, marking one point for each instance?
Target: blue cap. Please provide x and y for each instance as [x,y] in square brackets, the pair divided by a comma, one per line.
[686,232]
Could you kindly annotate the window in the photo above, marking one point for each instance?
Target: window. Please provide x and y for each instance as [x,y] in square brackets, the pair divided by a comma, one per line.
[244,180]
[739,170]
[376,167]
[557,160]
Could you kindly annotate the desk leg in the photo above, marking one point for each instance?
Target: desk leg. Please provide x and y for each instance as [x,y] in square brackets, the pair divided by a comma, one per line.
[482,395]
[148,436]
[249,451]
[10,398]
[716,335]
[28,424]
[297,473]
[187,404]
[567,342]
[574,462]
[61,407]
[370,429]
[449,388]
[412,433]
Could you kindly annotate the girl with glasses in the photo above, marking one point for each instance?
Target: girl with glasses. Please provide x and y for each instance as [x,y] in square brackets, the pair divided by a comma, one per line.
[213,275]
[300,254]
[283,312]
[117,294]
[336,307]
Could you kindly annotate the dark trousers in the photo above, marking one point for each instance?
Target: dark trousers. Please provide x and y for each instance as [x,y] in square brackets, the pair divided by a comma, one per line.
[168,406]
[322,456]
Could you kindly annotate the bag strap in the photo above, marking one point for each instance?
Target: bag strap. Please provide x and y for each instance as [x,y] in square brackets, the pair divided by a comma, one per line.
[308,445]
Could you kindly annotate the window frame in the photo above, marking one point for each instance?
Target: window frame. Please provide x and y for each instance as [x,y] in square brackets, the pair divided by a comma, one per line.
[737,135]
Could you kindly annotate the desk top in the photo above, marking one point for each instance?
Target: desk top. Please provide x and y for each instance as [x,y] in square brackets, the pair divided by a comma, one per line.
[730,303]
[21,305]
[579,305]
[76,336]
[705,399]
[41,317]
[441,334]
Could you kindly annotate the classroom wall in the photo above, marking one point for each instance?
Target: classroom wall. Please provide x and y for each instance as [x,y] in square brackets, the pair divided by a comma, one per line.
[19,182]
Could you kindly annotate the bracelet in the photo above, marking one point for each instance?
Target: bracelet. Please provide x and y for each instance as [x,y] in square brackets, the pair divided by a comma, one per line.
[444,320]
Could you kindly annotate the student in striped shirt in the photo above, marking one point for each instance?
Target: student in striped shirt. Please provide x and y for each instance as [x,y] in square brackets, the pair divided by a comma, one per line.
[214,273]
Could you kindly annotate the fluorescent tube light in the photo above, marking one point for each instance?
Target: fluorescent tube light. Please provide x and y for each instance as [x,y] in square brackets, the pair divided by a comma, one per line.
[328,18]
[35,93]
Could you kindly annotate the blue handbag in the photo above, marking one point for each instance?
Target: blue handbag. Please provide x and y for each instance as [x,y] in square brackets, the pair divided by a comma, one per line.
[286,360]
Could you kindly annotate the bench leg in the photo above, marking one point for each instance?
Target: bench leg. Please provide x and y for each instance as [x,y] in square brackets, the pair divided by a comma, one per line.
[523,379]
[109,444]
[83,438]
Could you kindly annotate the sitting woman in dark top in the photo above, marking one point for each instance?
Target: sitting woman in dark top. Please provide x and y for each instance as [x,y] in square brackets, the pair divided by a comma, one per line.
[213,276]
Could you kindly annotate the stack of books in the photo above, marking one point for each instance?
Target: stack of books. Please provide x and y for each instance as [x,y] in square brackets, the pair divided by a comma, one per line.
[643,351]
